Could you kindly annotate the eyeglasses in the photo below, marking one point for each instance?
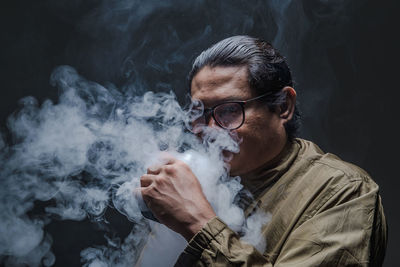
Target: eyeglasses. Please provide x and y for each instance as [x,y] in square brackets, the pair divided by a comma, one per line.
[228,115]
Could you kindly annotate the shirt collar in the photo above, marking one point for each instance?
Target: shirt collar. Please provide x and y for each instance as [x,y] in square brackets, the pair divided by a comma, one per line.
[264,176]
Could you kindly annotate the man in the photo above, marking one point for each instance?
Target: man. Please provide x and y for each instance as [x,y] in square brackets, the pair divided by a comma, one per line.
[325,212]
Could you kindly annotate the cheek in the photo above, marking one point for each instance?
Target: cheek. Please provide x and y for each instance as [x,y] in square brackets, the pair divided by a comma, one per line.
[259,131]
[249,140]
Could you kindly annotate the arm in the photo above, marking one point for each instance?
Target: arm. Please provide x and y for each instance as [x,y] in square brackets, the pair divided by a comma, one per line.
[349,230]
[217,245]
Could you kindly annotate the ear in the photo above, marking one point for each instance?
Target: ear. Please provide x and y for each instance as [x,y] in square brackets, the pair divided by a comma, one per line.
[287,108]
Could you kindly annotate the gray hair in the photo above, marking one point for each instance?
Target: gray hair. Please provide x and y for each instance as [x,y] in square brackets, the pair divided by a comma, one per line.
[267,70]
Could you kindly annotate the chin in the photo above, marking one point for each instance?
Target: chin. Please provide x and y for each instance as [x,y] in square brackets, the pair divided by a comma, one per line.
[233,164]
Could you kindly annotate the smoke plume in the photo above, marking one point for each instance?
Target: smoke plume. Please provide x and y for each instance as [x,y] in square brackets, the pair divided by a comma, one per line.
[78,156]
[85,153]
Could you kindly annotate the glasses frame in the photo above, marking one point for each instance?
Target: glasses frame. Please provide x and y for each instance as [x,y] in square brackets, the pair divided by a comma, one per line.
[211,111]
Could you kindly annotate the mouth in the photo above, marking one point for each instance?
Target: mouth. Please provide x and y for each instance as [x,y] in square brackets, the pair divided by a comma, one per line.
[229,145]
[227,156]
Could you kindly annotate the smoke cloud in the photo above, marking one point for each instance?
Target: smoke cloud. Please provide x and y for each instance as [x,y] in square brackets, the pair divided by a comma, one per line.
[82,154]
[86,152]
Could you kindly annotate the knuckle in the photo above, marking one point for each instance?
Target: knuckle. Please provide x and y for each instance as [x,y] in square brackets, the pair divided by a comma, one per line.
[170,169]
[160,181]
[143,178]
[153,169]
[148,193]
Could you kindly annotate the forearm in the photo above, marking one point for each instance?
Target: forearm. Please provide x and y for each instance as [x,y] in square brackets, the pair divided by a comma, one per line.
[217,244]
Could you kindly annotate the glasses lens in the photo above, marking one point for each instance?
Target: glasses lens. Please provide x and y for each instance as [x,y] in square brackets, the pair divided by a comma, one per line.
[229,115]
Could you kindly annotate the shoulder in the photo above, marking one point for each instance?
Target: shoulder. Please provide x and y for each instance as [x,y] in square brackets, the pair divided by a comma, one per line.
[326,186]
[317,181]
[328,167]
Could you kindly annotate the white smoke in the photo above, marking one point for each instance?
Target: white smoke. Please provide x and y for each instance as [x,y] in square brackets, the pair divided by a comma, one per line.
[86,152]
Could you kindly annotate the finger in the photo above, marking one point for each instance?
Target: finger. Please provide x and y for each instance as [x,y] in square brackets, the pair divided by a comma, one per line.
[154,169]
[147,179]
[166,158]
[145,196]
[141,197]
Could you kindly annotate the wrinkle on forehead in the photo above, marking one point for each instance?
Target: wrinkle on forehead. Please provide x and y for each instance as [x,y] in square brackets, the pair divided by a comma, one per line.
[214,76]
[215,84]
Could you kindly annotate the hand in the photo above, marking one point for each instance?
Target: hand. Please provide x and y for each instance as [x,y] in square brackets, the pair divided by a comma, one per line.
[174,195]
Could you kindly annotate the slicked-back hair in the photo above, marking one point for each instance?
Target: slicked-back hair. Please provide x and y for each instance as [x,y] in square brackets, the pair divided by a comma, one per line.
[268,71]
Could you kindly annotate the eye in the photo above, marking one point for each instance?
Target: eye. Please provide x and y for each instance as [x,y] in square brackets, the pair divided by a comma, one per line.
[229,115]
[228,109]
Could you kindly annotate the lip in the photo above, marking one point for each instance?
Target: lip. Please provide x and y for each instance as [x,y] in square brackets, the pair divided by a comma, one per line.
[227,156]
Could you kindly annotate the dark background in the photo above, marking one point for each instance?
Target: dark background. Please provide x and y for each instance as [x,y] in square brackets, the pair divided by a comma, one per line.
[343,54]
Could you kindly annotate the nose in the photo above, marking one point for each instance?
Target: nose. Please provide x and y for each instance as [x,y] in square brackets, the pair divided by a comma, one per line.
[211,122]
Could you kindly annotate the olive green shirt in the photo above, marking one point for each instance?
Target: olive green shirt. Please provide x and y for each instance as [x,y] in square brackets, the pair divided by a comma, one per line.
[325,212]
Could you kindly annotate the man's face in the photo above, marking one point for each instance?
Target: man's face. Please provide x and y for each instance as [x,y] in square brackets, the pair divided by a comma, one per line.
[262,133]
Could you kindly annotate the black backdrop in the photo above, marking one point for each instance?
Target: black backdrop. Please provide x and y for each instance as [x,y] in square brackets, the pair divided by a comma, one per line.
[343,55]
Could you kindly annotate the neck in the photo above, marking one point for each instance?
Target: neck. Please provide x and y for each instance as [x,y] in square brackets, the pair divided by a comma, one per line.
[258,179]
[272,154]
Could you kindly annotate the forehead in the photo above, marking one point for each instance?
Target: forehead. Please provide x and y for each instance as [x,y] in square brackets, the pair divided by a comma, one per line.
[215,84]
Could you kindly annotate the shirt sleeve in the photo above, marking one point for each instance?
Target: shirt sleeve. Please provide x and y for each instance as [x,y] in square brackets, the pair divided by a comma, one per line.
[217,245]
[348,230]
